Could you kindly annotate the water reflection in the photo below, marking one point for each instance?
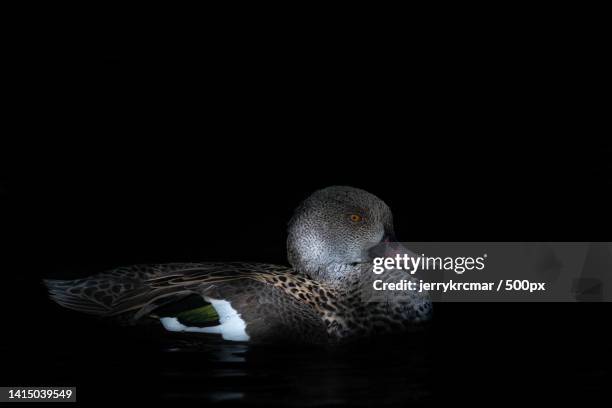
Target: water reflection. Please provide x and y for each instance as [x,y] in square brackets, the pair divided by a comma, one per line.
[381,373]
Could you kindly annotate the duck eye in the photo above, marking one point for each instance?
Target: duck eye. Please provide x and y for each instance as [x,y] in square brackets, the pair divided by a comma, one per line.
[356,217]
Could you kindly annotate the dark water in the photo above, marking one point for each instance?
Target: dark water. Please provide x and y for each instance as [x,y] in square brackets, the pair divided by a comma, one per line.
[506,352]
[139,365]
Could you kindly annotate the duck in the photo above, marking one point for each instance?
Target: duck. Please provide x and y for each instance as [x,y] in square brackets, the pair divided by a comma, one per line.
[323,296]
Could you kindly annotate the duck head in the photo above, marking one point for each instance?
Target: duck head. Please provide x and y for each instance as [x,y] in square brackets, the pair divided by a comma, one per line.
[335,231]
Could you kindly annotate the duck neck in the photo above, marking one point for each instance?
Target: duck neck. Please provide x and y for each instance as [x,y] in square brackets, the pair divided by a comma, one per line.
[339,276]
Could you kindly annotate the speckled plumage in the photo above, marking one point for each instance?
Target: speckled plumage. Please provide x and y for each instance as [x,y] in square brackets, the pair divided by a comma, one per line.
[321,299]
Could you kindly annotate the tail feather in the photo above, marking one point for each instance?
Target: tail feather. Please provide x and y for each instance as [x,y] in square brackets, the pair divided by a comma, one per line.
[69,294]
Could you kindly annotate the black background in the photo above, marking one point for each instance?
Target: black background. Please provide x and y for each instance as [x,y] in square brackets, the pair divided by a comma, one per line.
[146,149]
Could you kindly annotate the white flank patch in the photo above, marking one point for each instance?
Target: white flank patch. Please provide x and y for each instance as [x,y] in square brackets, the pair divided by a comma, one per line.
[232,326]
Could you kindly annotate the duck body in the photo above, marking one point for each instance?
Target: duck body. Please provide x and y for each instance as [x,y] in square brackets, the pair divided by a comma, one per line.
[252,302]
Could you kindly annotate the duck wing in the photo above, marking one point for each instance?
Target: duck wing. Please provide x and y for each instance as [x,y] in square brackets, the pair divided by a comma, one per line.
[139,288]
[235,295]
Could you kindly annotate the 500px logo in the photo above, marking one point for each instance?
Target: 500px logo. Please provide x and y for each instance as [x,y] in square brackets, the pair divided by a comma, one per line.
[414,263]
